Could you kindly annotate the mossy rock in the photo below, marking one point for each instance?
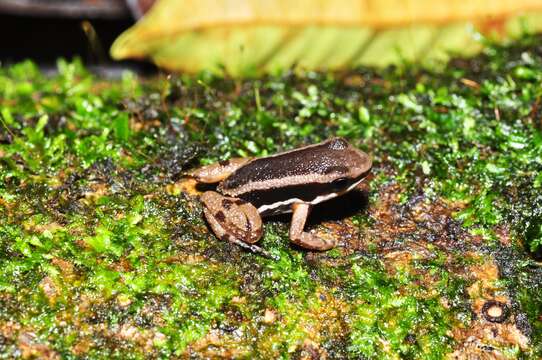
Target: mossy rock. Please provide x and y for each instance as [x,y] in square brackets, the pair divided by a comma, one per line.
[104,253]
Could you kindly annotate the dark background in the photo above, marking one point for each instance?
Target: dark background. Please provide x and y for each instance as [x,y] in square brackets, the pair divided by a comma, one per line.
[45,30]
[44,39]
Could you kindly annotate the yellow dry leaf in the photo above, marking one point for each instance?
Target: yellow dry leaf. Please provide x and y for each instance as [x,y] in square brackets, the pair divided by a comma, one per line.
[250,36]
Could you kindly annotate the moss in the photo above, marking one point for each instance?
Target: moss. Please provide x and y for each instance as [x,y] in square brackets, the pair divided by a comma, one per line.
[99,259]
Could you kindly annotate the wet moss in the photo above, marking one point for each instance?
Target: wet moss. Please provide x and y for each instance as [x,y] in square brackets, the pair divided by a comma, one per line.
[103,251]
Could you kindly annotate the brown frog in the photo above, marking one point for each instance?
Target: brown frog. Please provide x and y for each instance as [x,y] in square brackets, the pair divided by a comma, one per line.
[292,181]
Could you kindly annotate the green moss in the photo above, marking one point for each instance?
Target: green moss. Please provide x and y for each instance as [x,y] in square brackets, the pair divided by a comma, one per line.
[99,259]
[394,317]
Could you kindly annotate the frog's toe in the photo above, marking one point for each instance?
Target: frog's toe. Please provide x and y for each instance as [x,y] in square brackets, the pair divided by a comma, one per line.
[302,238]
[313,242]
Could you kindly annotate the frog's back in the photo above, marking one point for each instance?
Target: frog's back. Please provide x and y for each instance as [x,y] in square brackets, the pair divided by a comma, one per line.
[319,159]
[310,174]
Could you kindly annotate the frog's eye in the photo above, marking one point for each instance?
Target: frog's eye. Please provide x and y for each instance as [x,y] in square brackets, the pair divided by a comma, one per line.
[340,183]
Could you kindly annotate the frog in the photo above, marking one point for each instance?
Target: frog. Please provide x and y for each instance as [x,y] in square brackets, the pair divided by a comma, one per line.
[292,181]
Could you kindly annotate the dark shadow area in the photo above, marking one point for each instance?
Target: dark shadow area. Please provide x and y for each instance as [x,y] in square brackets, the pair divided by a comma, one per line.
[532,234]
[336,209]
[535,255]
[341,207]
[206,187]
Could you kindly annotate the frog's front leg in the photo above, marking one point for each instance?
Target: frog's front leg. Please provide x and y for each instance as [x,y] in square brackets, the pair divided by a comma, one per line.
[219,171]
[298,236]
[234,220]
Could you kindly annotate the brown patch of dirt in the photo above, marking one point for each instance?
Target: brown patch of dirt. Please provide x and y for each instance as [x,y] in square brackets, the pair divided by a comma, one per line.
[487,341]
[217,345]
[485,338]
[40,228]
[402,227]
[503,234]
[66,268]
[345,232]
[50,289]
[185,185]
[9,330]
[32,349]
[420,220]
[96,191]
[82,346]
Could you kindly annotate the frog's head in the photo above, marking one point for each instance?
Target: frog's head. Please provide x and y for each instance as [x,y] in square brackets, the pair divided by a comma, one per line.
[343,166]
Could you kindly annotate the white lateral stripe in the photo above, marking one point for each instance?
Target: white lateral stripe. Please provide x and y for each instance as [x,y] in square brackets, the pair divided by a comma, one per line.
[322,198]
[315,201]
[263,208]
[354,185]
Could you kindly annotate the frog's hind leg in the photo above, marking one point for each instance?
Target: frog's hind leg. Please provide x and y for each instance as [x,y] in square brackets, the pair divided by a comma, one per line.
[232,217]
[304,239]
[234,220]
[217,172]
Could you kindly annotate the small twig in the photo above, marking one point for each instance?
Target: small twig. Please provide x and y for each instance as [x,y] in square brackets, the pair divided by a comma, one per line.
[497,114]
[257,98]
[7,128]
[254,248]
[470,83]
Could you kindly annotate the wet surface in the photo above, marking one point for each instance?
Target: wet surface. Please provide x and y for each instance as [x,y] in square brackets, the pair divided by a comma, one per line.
[104,251]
